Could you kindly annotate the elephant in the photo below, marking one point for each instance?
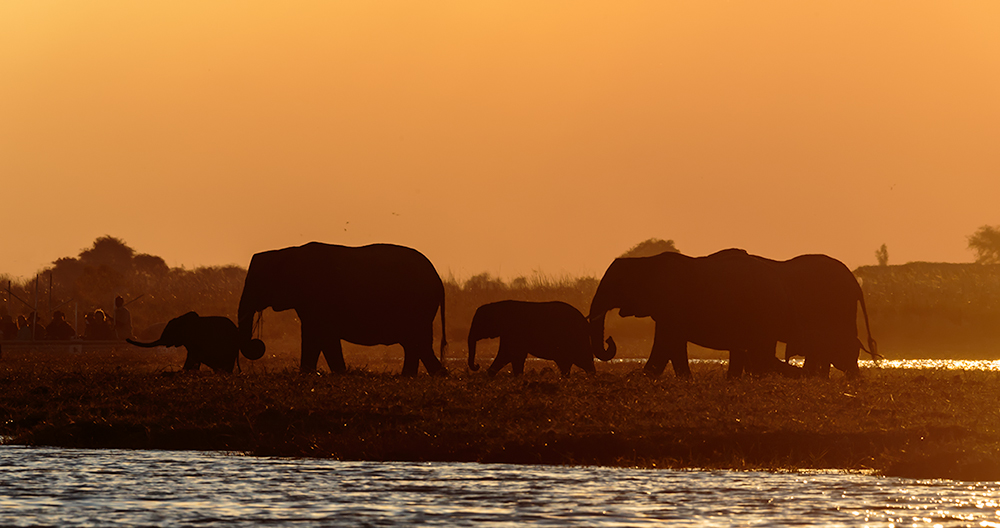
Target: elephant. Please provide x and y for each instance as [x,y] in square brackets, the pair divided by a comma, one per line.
[824,296]
[379,294]
[548,330]
[728,300]
[212,340]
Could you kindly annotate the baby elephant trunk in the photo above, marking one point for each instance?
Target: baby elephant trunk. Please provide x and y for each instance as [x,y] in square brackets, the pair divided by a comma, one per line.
[473,366]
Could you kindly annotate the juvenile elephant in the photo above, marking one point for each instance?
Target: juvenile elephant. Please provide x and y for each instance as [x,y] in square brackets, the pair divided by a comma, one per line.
[211,340]
[548,330]
[381,294]
[725,301]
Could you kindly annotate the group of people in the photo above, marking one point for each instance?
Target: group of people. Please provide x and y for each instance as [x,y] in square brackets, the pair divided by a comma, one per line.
[97,326]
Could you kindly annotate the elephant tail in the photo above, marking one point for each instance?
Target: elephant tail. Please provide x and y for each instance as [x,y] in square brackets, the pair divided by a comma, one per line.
[872,345]
[444,336]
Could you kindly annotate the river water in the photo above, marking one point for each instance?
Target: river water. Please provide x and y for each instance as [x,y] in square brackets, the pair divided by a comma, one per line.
[73,487]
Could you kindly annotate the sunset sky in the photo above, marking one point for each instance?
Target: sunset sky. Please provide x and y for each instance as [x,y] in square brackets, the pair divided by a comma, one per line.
[508,137]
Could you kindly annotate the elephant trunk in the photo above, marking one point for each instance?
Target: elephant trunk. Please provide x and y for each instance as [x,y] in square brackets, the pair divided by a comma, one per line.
[473,366]
[251,348]
[597,338]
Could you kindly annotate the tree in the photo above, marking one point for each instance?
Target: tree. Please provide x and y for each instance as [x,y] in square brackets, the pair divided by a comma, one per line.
[986,243]
[650,247]
[111,252]
[882,255]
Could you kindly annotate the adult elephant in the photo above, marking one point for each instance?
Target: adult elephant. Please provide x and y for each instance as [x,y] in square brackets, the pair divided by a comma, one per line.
[824,296]
[725,301]
[548,330]
[381,294]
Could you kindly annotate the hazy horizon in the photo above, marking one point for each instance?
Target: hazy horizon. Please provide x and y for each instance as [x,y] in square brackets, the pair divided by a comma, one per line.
[501,137]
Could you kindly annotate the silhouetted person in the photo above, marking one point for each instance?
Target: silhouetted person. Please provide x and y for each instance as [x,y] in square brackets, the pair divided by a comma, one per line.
[23,329]
[123,319]
[98,327]
[59,328]
[37,328]
[8,327]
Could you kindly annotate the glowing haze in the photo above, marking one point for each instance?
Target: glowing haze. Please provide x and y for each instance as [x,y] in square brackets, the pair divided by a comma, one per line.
[505,136]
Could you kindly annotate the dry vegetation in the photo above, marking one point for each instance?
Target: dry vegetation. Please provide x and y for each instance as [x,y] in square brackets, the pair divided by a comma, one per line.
[911,423]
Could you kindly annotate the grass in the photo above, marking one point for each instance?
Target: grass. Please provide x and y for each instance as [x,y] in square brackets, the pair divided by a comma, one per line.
[926,424]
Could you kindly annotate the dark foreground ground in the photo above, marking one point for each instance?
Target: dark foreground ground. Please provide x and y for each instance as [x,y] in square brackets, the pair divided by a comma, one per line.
[925,424]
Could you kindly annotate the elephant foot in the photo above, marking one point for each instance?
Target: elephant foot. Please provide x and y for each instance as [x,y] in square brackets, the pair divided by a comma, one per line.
[788,370]
[682,373]
[652,373]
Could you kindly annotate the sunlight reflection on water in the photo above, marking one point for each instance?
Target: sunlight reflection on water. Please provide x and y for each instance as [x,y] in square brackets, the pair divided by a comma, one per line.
[72,487]
[944,364]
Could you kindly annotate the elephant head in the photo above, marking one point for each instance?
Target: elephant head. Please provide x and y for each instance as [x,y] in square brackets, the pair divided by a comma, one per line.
[485,325]
[261,290]
[625,286]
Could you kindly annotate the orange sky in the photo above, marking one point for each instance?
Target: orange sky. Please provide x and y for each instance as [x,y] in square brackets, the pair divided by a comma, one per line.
[498,136]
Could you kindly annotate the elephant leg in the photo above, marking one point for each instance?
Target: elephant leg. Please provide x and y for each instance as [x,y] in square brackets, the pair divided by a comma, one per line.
[816,366]
[587,366]
[517,364]
[312,342]
[793,349]
[333,351]
[426,353]
[668,349]
[760,359]
[191,362]
[737,363]
[411,362]
[430,360]
[845,355]
[564,367]
[504,356]
[421,350]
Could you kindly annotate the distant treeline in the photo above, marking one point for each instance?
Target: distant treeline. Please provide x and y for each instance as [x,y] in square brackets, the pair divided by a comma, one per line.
[937,309]
[916,309]
[153,291]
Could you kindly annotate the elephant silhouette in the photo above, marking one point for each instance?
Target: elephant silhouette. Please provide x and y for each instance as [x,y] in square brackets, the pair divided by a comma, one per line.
[380,294]
[548,330]
[824,295]
[728,300]
[212,340]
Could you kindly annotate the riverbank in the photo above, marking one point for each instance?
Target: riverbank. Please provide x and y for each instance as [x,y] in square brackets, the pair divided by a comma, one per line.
[914,423]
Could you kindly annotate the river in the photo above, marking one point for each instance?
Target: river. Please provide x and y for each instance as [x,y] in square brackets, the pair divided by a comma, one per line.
[74,487]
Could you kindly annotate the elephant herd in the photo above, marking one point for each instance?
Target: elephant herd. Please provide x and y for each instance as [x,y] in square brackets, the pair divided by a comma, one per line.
[384,294]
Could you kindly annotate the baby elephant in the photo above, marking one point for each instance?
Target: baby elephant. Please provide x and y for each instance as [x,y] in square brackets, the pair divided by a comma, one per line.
[548,330]
[211,340]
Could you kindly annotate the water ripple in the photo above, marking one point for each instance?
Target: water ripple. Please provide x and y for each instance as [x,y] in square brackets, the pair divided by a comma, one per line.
[70,487]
